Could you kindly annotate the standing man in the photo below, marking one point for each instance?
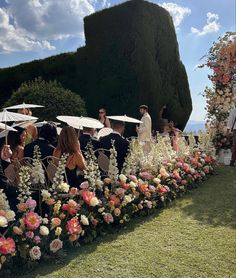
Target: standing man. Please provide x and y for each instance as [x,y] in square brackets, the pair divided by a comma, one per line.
[231,126]
[144,130]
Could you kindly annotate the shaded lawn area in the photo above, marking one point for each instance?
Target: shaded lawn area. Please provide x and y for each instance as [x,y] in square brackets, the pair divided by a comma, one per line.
[193,237]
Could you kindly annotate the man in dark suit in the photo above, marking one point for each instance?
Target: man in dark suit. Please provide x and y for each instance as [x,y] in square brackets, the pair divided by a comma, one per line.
[121,144]
[87,137]
[47,137]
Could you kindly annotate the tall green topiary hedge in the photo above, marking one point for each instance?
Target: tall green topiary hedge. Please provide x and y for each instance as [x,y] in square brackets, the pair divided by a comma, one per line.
[55,99]
[131,57]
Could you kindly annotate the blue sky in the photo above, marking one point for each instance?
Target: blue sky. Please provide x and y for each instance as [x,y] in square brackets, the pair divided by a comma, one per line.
[35,29]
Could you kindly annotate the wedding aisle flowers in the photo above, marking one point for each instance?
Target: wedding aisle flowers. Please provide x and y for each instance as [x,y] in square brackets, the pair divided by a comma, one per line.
[146,183]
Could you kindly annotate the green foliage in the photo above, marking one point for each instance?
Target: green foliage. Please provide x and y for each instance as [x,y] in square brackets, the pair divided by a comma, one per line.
[56,99]
[131,57]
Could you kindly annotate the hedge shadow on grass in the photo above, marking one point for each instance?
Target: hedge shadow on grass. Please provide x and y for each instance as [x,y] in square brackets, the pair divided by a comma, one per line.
[215,203]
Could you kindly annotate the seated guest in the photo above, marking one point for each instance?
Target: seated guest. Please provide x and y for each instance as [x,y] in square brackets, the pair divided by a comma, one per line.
[69,144]
[10,191]
[16,140]
[121,144]
[86,137]
[47,137]
[32,132]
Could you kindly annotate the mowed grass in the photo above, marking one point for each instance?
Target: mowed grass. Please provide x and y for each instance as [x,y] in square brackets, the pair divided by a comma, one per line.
[194,237]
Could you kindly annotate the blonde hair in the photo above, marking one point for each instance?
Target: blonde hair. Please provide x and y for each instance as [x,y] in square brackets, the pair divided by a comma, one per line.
[68,142]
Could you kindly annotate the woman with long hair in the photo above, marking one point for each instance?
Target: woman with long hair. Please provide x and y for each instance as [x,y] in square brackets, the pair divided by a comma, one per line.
[68,143]
[102,117]
[16,140]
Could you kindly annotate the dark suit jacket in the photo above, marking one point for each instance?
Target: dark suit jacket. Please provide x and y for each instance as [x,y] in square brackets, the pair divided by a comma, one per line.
[84,139]
[121,146]
[46,149]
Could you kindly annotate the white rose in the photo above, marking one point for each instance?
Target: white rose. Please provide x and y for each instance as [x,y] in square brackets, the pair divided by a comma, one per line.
[100,210]
[132,184]
[35,253]
[43,231]
[58,231]
[94,202]
[127,199]
[45,220]
[45,194]
[156,181]
[84,220]
[63,187]
[56,245]
[122,178]
[3,221]
[10,215]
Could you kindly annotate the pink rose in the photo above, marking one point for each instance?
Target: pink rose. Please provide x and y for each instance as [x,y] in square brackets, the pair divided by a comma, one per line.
[108,218]
[31,204]
[56,245]
[29,234]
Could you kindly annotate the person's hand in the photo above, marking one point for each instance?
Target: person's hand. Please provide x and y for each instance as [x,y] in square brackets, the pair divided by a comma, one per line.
[6,152]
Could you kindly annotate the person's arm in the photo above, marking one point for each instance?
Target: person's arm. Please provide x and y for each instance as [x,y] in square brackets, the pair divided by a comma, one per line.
[80,161]
[56,155]
[108,124]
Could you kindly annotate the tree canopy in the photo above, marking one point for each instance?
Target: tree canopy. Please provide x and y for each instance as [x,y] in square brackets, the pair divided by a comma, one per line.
[56,99]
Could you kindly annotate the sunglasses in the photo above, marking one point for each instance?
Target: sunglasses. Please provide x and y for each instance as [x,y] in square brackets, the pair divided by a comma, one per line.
[101,112]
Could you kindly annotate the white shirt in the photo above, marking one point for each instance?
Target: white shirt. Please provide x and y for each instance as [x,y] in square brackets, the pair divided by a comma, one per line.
[145,128]
[231,120]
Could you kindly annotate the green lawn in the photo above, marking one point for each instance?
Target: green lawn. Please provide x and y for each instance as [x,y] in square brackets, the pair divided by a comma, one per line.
[194,237]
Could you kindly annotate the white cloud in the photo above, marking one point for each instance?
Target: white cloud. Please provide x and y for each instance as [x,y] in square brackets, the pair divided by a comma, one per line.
[50,19]
[12,39]
[212,25]
[178,13]
[32,25]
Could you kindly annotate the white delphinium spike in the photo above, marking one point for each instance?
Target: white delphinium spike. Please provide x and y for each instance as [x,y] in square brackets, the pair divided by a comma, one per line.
[58,179]
[38,176]
[92,173]
[24,183]
[113,171]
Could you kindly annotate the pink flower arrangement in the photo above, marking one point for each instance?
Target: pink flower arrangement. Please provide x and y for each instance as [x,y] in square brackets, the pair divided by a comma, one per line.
[7,246]
[32,220]
[73,226]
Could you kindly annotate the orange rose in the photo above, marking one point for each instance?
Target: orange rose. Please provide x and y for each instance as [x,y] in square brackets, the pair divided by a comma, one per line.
[22,207]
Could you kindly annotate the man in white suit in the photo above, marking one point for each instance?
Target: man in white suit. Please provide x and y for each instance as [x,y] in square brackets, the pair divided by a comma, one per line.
[144,130]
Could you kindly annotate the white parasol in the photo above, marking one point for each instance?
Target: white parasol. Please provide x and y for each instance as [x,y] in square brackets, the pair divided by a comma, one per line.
[40,124]
[80,122]
[6,116]
[24,106]
[7,127]
[104,131]
[24,124]
[124,118]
